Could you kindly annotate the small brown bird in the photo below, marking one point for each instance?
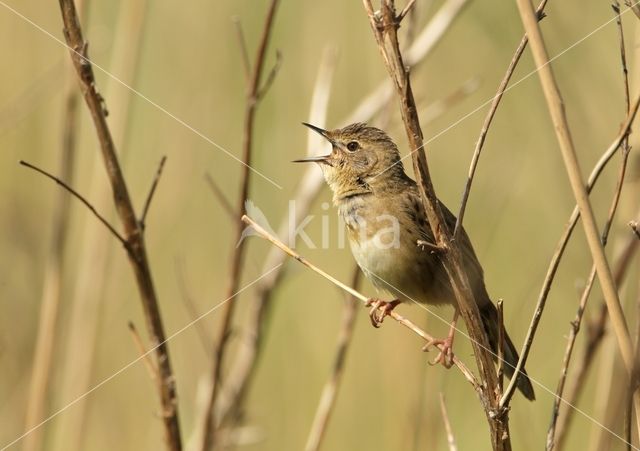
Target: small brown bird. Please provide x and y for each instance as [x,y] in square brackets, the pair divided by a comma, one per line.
[386,225]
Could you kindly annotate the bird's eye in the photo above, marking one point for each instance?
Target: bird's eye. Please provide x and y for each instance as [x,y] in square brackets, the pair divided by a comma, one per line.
[353,146]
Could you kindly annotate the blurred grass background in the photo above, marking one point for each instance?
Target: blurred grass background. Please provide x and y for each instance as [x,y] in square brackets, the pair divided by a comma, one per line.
[189,63]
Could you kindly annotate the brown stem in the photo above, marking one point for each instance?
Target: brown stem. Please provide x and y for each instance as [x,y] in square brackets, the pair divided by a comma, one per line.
[384,25]
[154,185]
[489,118]
[254,92]
[575,324]
[133,233]
[558,116]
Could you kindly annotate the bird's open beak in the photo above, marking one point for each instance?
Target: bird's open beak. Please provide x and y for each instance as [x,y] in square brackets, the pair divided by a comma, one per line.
[320,159]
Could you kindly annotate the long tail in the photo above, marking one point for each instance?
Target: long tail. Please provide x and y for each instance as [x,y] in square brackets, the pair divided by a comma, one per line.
[489,315]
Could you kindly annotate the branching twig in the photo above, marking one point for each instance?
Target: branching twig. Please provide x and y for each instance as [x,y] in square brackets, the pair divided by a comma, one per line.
[255,91]
[152,370]
[556,109]
[152,191]
[81,198]
[575,324]
[217,192]
[489,118]
[384,25]
[564,239]
[330,390]
[133,234]
[242,42]
[364,299]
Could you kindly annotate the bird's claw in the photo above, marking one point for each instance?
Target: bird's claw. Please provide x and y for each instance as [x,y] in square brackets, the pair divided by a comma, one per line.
[380,309]
[445,356]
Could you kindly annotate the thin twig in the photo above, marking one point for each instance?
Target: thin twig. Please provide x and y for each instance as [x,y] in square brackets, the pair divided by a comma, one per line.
[217,192]
[237,257]
[132,231]
[364,299]
[575,324]
[406,10]
[242,42]
[81,198]
[152,191]
[564,240]
[331,387]
[271,77]
[558,116]
[451,440]
[596,332]
[501,333]
[384,25]
[489,118]
[152,370]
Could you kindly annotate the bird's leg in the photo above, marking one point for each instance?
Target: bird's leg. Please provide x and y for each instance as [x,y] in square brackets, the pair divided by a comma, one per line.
[375,314]
[445,356]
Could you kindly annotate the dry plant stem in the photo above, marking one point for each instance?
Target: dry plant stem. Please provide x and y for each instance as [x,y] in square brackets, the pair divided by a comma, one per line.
[595,334]
[556,109]
[132,230]
[152,191]
[152,370]
[451,440]
[254,91]
[241,373]
[575,324]
[384,25]
[364,299]
[222,199]
[489,118]
[79,196]
[500,352]
[564,239]
[54,271]
[331,387]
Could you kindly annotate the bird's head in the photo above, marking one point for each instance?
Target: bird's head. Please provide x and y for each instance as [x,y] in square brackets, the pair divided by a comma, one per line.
[362,157]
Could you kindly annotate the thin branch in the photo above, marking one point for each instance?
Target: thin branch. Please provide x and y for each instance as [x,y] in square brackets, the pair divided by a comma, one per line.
[384,25]
[489,119]
[271,77]
[501,335]
[79,196]
[406,10]
[222,199]
[152,370]
[595,334]
[132,231]
[451,440]
[575,324]
[331,387]
[152,191]
[364,299]
[242,42]
[557,112]
[237,257]
[564,240]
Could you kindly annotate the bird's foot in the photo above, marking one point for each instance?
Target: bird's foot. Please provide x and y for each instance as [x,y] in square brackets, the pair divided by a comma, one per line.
[445,356]
[380,309]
